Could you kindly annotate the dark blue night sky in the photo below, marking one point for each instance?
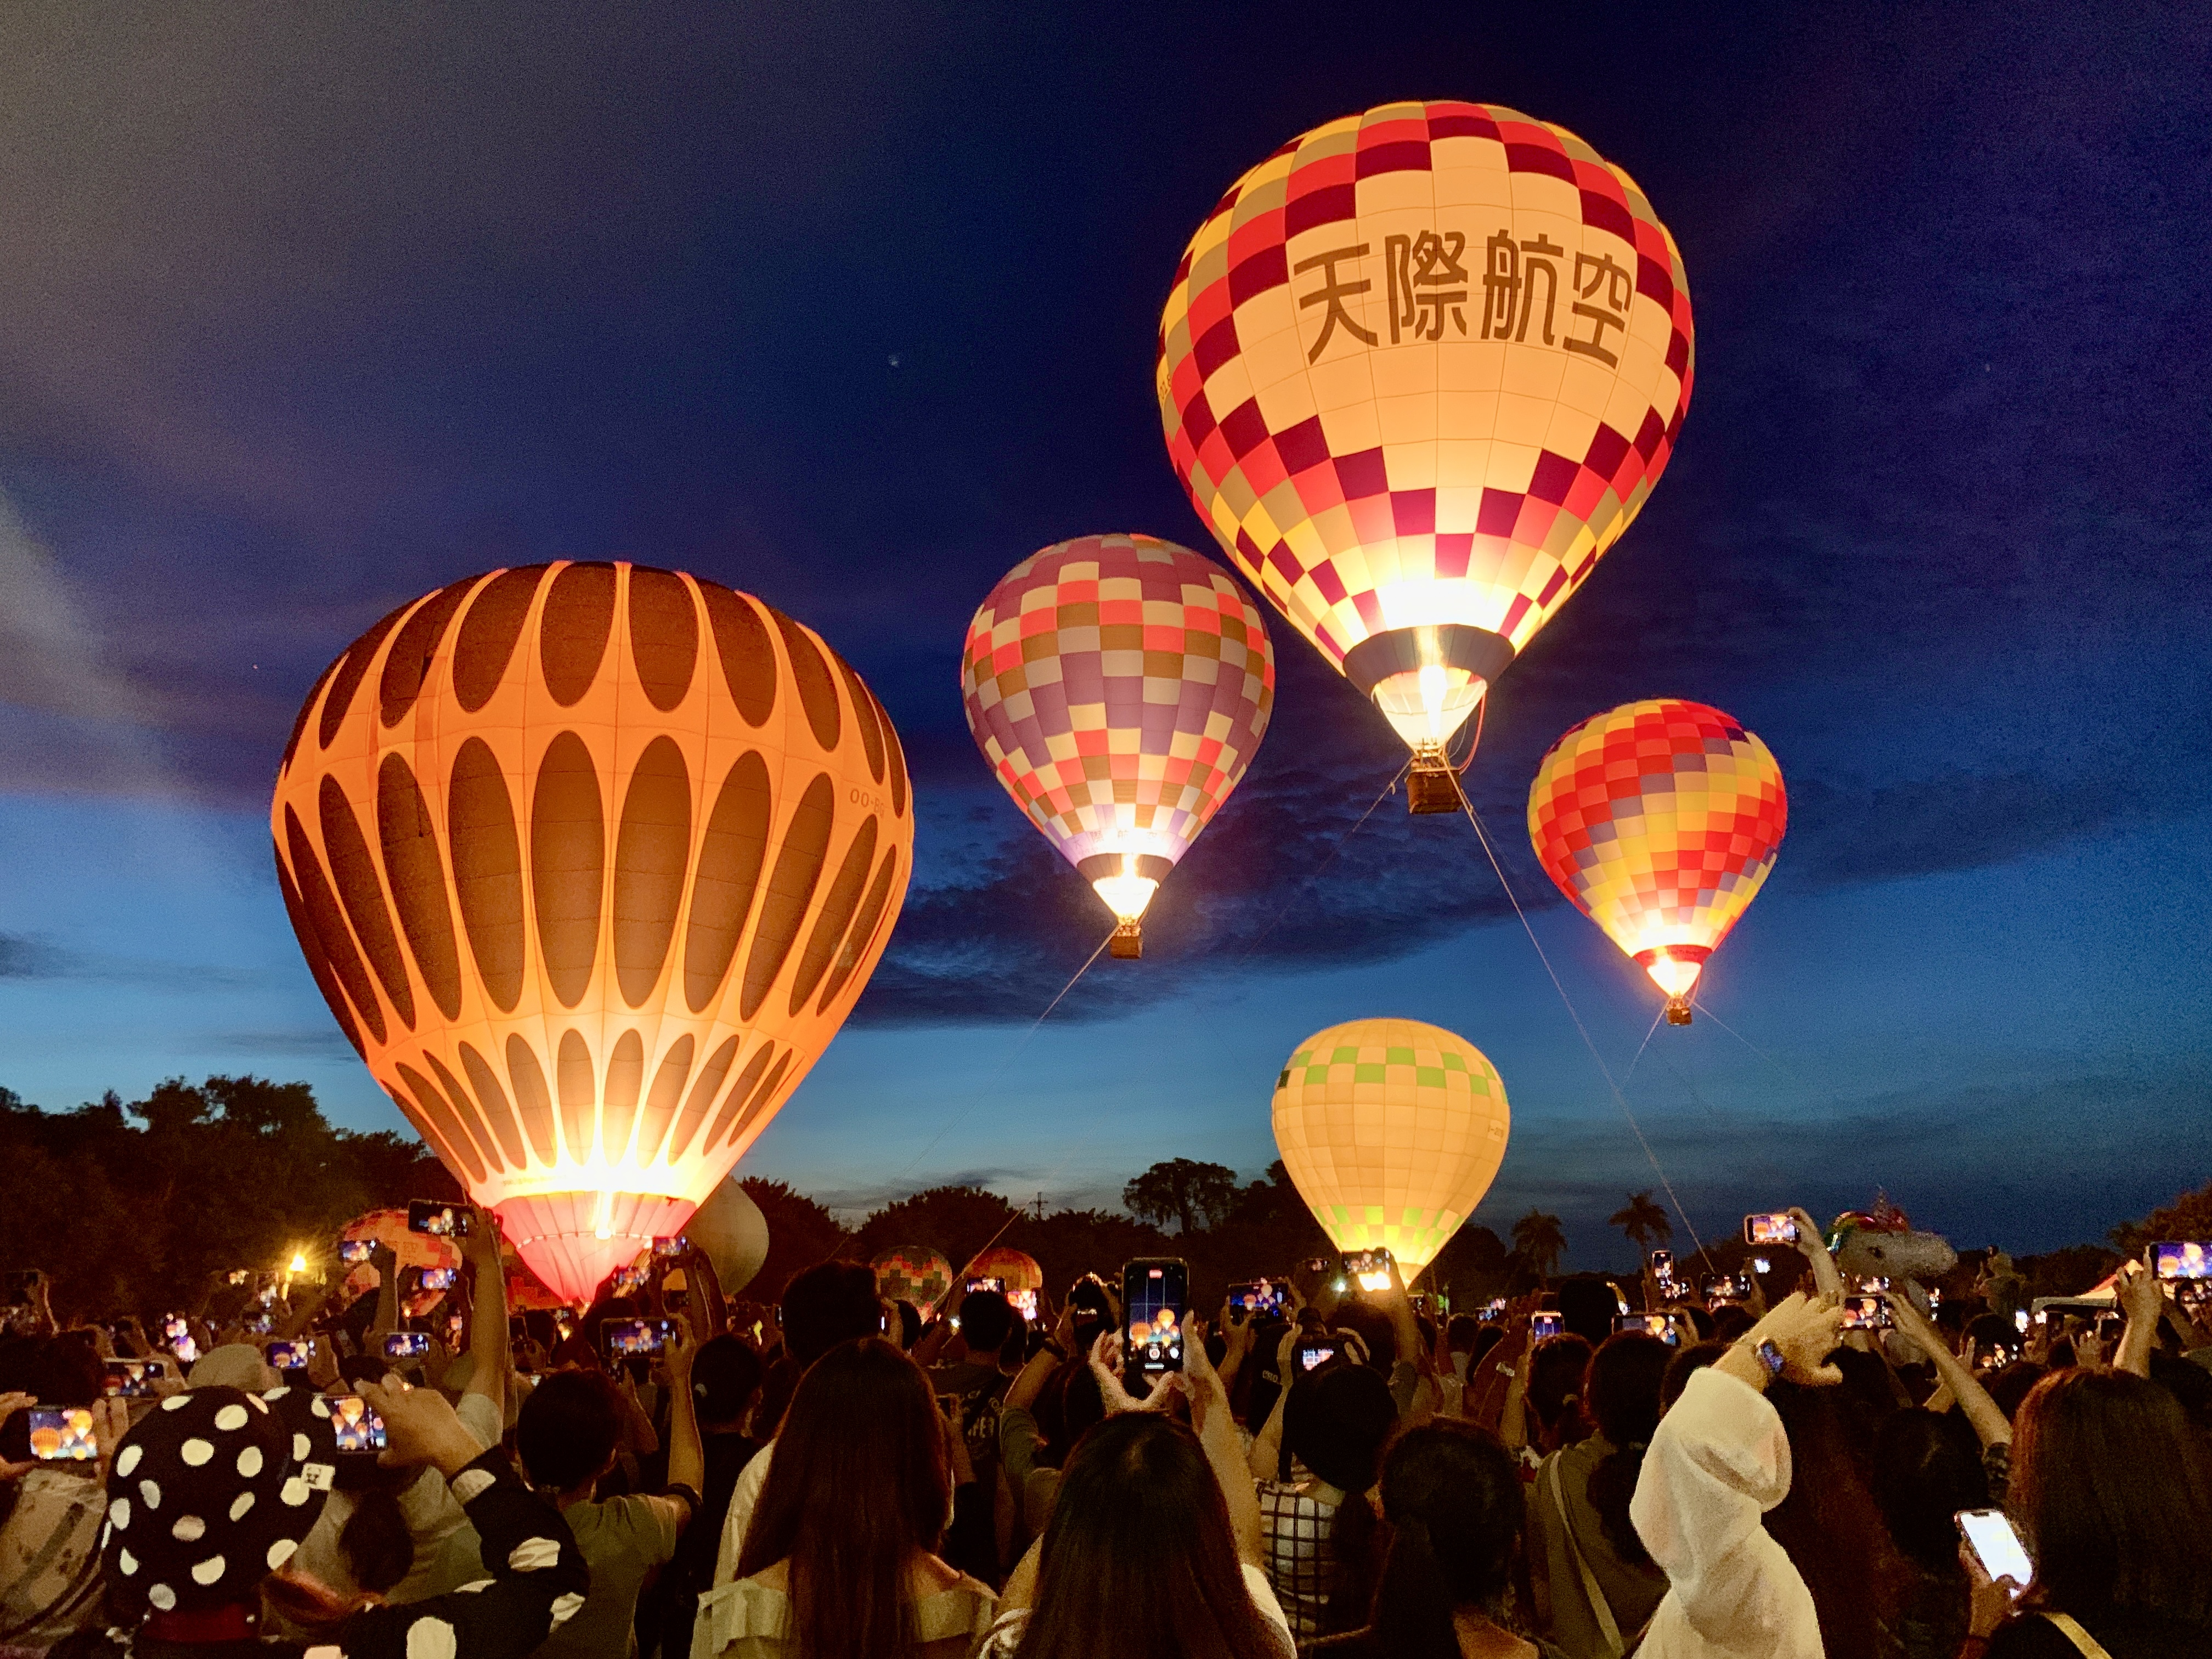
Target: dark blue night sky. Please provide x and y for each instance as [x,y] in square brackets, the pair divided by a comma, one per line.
[301,315]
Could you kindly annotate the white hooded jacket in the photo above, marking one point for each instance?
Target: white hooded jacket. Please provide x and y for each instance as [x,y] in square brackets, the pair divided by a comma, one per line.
[1719,1462]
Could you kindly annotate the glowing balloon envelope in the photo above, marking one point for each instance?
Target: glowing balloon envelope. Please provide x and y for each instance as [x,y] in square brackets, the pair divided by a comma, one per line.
[1660,820]
[913,1273]
[1418,370]
[591,861]
[1392,1131]
[1119,687]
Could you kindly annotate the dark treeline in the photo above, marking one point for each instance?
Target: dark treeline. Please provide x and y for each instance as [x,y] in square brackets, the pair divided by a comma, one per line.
[132,1205]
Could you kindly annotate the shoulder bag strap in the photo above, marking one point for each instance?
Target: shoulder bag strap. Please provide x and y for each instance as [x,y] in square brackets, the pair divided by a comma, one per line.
[1608,1627]
[2070,1628]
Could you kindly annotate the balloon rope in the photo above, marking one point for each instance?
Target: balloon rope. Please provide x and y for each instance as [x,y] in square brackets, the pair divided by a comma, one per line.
[1299,892]
[1481,710]
[976,1097]
[1604,1071]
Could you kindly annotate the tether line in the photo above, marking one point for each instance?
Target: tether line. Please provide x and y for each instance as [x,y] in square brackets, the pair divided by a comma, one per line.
[1604,1071]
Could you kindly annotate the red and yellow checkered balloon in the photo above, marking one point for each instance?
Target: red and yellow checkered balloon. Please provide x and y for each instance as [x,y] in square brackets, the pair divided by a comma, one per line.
[1660,820]
[1418,370]
[1119,686]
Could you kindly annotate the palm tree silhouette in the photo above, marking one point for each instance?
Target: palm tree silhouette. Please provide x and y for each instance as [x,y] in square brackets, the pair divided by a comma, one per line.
[1645,1222]
[1541,1240]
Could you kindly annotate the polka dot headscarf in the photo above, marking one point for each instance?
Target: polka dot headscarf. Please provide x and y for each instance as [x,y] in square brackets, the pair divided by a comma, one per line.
[210,1493]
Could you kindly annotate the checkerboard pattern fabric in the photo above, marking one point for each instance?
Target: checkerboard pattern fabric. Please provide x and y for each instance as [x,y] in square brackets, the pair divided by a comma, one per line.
[1119,686]
[1294,1528]
[1392,1131]
[1660,820]
[1423,365]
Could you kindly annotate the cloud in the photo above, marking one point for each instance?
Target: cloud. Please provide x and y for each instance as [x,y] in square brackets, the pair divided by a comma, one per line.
[28,958]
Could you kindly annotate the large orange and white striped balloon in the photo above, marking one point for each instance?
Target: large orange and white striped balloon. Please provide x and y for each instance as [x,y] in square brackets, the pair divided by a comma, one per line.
[591,861]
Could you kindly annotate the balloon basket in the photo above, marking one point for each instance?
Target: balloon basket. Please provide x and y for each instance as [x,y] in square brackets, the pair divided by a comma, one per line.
[1678,1012]
[1127,944]
[1432,786]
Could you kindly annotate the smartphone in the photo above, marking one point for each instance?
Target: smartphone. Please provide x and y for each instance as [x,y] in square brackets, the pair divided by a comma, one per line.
[1760,1265]
[1544,1325]
[676,1246]
[1493,1309]
[1319,1264]
[623,1337]
[174,1328]
[1773,1228]
[1258,1298]
[1651,1324]
[1368,1269]
[438,1219]
[63,1434]
[1989,1533]
[440,1278]
[1866,1313]
[259,1325]
[1662,1264]
[455,1326]
[134,1379]
[238,1275]
[1024,1303]
[354,1251]
[1315,1351]
[359,1429]
[291,1356]
[406,1345]
[974,1285]
[2110,1327]
[625,1281]
[1155,1303]
[2020,1321]
[2188,1258]
[1725,1287]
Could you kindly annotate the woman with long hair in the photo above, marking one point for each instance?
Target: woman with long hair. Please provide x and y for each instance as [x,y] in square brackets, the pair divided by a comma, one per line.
[1153,1545]
[1595,1584]
[840,1558]
[2112,1497]
[1453,1506]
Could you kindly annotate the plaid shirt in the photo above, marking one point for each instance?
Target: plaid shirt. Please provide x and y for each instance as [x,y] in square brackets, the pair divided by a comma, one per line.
[1294,1529]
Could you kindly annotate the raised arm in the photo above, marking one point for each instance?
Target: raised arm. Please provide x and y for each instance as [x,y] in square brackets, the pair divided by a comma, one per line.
[490,1343]
[1954,1376]
[1217,1434]
[2145,1303]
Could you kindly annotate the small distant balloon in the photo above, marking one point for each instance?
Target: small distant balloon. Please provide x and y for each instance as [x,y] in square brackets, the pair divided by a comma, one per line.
[1660,820]
[1119,686]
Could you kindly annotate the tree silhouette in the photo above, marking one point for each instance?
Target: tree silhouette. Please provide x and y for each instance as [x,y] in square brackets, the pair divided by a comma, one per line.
[1644,1221]
[1541,1241]
[1191,1195]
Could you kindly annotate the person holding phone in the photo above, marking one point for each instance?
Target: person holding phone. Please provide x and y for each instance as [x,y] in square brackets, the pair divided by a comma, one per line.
[50,1520]
[1718,1461]
[2122,1546]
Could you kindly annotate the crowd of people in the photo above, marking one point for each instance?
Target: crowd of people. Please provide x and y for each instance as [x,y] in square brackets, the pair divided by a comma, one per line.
[1592,1471]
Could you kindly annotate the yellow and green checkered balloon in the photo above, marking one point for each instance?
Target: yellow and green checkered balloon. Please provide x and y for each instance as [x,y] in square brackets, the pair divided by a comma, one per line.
[1392,1131]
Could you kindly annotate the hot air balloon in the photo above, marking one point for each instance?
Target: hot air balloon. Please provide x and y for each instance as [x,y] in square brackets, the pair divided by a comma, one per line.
[1418,370]
[913,1273]
[591,861]
[1392,1131]
[1660,821]
[1119,686]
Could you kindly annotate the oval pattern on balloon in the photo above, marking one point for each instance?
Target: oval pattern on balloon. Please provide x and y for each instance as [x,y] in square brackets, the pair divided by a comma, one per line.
[625,925]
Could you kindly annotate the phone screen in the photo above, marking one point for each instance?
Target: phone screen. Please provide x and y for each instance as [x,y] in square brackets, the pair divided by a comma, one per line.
[1775,1228]
[1259,1298]
[976,1285]
[406,1345]
[1996,1546]
[625,1337]
[1543,1325]
[1723,1287]
[1651,1324]
[1024,1303]
[63,1434]
[676,1246]
[133,1379]
[290,1356]
[1155,1301]
[1866,1313]
[1663,1263]
[238,1275]
[2187,1258]
[1314,1353]
[1370,1269]
[358,1428]
[353,1251]
[439,1279]
[440,1220]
